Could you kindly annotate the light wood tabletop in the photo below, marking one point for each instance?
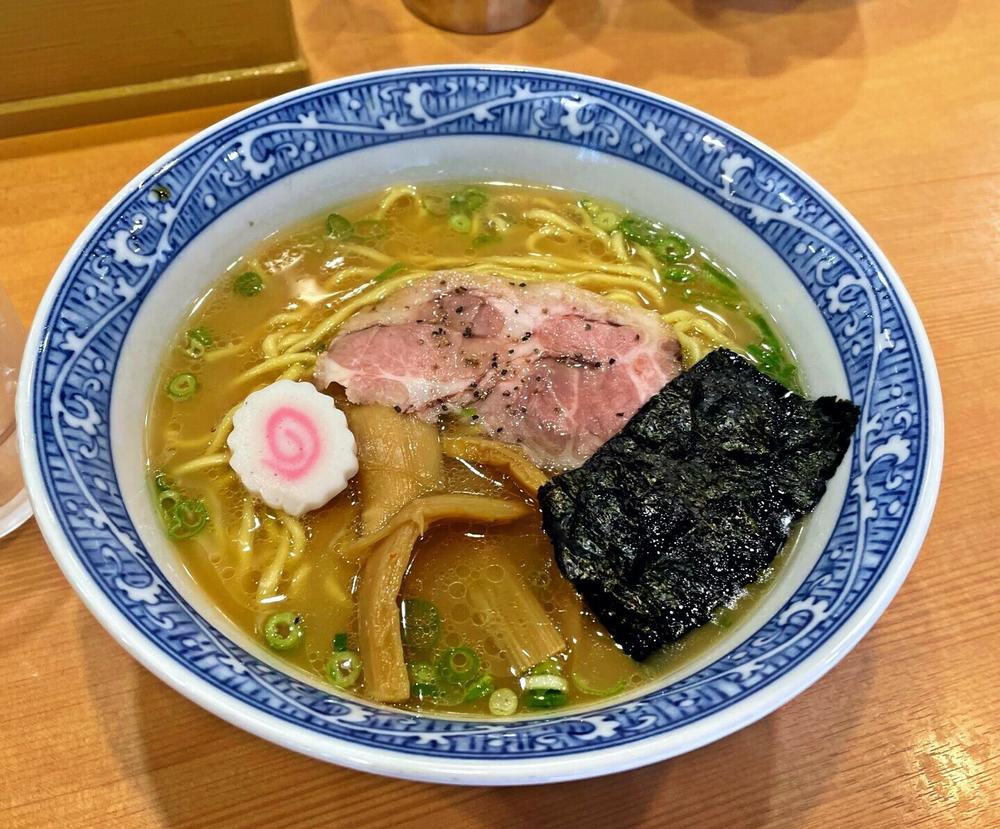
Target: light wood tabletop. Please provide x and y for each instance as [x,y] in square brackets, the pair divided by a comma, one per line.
[894,105]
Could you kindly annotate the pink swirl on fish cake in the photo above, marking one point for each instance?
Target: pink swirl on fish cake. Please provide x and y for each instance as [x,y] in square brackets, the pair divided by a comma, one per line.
[293,442]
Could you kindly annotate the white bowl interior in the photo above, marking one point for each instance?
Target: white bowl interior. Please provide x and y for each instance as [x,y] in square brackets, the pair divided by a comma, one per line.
[471,158]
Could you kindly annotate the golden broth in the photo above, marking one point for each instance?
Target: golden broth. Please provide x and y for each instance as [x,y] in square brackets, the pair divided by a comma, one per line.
[309,281]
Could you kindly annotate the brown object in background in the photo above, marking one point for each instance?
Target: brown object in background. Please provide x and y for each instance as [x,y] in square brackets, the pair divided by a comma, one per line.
[70,62]
[477,17]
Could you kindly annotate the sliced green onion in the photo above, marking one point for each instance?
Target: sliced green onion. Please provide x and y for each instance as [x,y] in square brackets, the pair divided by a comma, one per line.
[435,205]
[503,702]
[390,272]
[773,362]
[458,666]
[670,248]
[283,631]
[718,275]
[479,689]
[678,273]
[167,500]
[545,699]
[474,199]
[638,231]
[340,641]
[550,667]
[607,220]
[338,227]
[546,682]
[584,686]
[370,230]
[198,341]
[182,386]
[423,672]
[485,239]
[467,412]
[467,201]
[185,519]
[460,223]
[182,517]
[421,623]
[770,355]
[343,668]
[248,283]
[766,331]
[423,681]
[725,619]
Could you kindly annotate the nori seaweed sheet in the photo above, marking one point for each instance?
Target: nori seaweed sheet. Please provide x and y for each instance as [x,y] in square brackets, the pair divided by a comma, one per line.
[692,501]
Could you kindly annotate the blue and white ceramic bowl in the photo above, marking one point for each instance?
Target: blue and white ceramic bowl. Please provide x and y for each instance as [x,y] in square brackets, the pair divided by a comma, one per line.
[127,281]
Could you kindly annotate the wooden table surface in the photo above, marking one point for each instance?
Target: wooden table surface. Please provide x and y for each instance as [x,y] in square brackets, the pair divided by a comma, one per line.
[894,105]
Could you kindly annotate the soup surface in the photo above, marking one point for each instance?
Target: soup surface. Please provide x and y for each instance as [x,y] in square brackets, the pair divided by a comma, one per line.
[270,316]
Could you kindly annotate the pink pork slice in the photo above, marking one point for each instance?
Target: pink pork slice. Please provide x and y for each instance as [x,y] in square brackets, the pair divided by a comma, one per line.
[551,367]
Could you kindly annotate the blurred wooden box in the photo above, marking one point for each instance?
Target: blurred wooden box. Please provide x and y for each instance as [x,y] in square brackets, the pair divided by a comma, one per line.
[67,62]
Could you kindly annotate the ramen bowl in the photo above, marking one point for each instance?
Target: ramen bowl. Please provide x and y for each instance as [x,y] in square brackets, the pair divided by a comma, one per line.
[128,281]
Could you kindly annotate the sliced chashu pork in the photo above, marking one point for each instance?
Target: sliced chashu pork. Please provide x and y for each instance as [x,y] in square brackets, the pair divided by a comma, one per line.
[549,366]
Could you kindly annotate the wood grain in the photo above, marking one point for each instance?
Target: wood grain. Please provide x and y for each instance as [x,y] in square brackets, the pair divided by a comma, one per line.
[895,107]
[72,62]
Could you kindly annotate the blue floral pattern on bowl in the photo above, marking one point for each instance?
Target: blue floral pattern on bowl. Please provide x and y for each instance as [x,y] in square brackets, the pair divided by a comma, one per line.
[97,302]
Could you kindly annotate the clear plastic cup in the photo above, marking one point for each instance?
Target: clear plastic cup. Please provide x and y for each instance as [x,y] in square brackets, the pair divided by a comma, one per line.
[14,506]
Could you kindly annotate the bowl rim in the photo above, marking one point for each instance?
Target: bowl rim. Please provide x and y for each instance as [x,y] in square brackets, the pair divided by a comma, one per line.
[392,762]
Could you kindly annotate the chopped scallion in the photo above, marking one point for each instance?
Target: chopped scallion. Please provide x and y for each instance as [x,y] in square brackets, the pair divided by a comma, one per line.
[248,283]
[716,273]
[340,641]
[460,223]
[338,227]
[182,517]
[182,386]
[198,341]
[283,631]
[458,666]
[592,690]
[390,272]
[467,201]
[479,689]
[435,205]
[545,699]
[344,668]
[607,220]
[677,273]
[503,702]
[370,230]
[671,248]
[549,667]
[423,681]
[638,231]
[186,518]
[546,682]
